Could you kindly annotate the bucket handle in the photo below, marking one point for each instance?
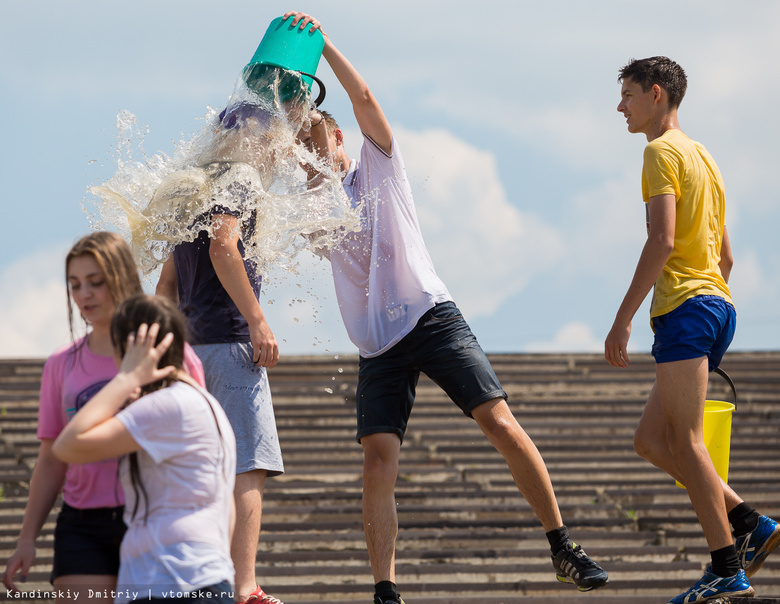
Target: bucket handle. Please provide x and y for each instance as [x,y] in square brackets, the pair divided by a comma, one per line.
[729,381]
[321,95]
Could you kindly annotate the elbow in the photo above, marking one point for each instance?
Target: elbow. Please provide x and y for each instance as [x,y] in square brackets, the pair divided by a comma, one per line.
[364,97]
[61,451]
[67,452]
[727,262]
[218,251]
[664,245]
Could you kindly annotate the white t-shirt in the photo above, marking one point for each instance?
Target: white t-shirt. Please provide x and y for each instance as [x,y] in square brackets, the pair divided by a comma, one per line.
[384,277]
[188,471]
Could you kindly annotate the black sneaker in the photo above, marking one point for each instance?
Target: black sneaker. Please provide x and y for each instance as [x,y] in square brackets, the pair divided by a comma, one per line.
[572,565]
[378,600]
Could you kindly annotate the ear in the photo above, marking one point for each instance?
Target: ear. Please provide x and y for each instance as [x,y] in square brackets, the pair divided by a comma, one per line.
[339,137]
[658,92]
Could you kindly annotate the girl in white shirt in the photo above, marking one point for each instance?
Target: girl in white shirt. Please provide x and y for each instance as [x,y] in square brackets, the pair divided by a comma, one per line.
[179,468]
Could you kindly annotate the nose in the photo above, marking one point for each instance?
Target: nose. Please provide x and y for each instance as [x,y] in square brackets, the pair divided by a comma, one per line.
[84,292]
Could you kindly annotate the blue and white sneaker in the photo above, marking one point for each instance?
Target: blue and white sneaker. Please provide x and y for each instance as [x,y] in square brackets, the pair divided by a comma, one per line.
[712,586]
[754,547]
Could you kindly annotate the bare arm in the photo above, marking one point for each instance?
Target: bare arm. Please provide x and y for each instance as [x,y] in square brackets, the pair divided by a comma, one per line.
[231,272]
[660,243]
[368,113]
[94,434]
[47,479]
[168,286]
[726,256]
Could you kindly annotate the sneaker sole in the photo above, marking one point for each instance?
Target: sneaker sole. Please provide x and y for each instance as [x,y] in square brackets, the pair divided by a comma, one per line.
[771,545]
[747,593]
[567,579]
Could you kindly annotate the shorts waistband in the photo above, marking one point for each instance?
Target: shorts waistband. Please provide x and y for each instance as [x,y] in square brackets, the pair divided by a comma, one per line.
[114,512]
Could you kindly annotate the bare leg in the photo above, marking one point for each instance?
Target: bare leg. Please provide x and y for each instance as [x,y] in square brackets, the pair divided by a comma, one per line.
[82,584]
[650,443]
[523,458]
[249,512]
[380,519]
[681,388]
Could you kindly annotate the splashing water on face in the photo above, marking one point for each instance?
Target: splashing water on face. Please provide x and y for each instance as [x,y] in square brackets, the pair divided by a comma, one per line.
[244,161]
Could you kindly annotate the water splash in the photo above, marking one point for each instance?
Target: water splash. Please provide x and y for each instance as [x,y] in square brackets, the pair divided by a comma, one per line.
[244,159]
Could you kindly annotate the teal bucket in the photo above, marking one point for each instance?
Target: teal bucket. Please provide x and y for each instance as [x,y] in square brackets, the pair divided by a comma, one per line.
[292,48]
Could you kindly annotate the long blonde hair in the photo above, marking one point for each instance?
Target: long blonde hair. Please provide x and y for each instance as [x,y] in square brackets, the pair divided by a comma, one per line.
[115,259]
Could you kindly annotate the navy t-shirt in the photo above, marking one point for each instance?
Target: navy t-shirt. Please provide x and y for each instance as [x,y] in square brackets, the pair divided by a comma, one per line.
[212,316]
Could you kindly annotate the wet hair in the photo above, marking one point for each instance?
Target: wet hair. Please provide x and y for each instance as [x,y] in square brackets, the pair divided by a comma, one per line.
[129,316]
[115,259]
[657,70]
[330,121]
[146,309]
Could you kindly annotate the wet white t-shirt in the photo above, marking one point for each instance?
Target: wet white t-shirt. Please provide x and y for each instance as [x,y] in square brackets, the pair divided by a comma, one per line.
[188,471]
[384,277]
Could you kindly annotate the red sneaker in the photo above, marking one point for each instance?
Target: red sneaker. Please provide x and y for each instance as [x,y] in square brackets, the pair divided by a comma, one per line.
[258,596]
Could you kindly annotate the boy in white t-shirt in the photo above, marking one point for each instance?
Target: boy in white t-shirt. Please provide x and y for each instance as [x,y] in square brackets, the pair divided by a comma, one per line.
[403,320]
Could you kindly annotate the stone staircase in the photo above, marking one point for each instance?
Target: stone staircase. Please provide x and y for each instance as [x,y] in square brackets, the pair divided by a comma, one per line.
[466,535]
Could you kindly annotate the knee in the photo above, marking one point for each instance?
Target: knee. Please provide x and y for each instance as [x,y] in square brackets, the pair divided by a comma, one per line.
[643,446]
[380,455]
[504,432]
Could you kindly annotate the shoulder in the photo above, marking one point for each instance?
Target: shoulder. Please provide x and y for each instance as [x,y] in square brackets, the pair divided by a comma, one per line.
[372,148]
[158,406]
[668,149]
[375,163]
[63,356]
[66,350]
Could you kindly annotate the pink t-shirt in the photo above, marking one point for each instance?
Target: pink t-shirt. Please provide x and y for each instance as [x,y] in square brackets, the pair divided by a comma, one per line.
[72,376]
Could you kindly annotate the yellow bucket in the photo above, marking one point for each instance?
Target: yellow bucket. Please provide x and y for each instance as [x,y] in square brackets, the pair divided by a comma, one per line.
[717,435]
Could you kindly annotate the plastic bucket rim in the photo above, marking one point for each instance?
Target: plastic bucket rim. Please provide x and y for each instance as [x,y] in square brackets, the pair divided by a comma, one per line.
[712,406]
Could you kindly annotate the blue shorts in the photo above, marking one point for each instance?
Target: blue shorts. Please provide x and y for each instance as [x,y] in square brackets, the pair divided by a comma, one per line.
[443,347]
[702,326]
[241,387]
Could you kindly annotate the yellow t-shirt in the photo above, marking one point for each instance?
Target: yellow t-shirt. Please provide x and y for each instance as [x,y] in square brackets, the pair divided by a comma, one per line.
[676,165]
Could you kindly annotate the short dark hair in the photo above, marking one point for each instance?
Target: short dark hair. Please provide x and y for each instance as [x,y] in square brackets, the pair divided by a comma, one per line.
[657,70]
[329,120]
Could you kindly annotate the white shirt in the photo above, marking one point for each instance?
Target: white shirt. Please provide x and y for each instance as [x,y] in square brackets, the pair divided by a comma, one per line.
[188,471]
[384,277]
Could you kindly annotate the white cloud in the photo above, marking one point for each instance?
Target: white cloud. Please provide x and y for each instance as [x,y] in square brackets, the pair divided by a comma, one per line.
[484,248]
[33,316]
[572,337]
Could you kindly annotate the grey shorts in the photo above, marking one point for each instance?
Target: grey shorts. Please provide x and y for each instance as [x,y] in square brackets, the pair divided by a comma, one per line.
[242,389]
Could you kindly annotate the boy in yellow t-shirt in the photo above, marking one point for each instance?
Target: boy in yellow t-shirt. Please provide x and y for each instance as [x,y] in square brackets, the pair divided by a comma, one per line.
[686,260]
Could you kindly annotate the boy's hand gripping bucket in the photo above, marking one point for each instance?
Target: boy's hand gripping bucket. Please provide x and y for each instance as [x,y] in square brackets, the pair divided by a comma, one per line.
[717,430]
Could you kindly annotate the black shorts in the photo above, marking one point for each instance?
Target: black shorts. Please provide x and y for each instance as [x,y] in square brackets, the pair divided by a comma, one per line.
[443,347]
[86,542]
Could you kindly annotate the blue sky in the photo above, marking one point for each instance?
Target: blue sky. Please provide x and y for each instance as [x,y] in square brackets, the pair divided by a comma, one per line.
[526,181]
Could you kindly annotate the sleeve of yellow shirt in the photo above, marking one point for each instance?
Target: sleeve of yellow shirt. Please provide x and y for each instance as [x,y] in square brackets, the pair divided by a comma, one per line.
[661,171]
